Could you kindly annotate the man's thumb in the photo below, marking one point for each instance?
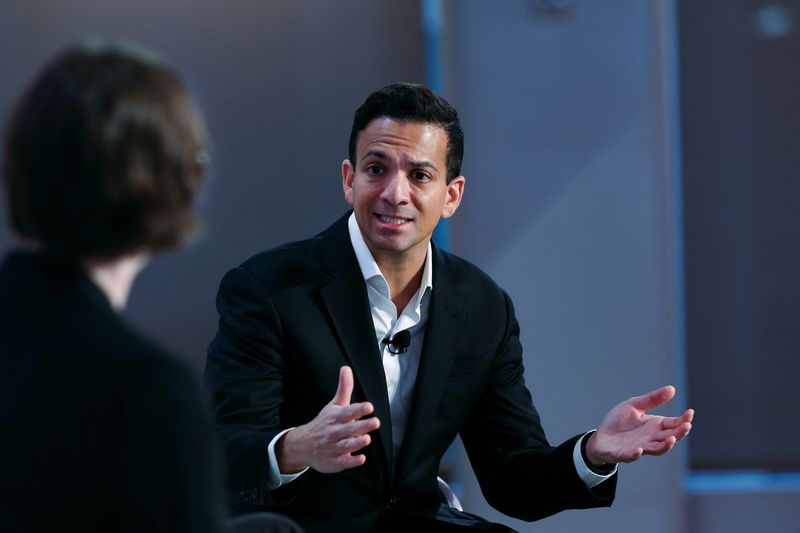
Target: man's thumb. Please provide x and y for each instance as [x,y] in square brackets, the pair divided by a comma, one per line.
[345,388]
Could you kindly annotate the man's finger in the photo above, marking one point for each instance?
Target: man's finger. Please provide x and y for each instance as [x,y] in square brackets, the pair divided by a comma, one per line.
[355,429]
[351,445]
[660,448]
[345,414]
[345,388]
[346,461]
[653,399]
[633,456]
[674,422]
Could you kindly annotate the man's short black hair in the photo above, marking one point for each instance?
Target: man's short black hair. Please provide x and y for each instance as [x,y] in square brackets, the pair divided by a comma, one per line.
[413,103]
[104,154]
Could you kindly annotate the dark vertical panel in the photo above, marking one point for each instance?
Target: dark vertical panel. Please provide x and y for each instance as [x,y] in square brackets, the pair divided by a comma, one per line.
[741,146]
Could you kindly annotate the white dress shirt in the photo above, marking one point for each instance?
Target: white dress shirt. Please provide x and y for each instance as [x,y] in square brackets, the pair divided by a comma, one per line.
[400,369]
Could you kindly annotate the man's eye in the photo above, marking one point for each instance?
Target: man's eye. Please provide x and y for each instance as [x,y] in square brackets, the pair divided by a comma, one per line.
[374,169]
[420,176]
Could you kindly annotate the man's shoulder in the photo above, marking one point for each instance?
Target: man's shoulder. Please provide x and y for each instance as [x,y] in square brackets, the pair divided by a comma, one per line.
[298,262]
[465,275]
[291,261]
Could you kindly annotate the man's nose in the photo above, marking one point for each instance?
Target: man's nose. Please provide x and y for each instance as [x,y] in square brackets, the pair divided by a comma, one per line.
[396,188]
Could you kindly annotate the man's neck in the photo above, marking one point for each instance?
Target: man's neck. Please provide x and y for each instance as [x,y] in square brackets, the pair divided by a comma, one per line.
[403,274]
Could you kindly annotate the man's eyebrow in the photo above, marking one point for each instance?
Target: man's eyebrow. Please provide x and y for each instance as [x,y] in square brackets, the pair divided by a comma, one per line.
[375,153]
[424,164]
[383,157]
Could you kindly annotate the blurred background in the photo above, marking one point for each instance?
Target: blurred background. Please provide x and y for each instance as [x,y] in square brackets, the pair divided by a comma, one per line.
[632,181]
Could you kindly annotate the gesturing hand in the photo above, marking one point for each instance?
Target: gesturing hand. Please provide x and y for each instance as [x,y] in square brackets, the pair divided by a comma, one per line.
[328,442]
[628,432]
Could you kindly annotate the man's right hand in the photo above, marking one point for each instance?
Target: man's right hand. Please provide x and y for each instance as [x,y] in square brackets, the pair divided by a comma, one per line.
[328,442]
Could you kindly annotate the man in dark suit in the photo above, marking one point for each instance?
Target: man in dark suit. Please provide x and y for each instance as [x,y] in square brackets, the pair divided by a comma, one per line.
[424,346]
[102,430]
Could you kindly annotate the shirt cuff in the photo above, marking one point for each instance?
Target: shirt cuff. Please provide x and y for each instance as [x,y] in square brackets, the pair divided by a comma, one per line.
[590,478]
[276,479]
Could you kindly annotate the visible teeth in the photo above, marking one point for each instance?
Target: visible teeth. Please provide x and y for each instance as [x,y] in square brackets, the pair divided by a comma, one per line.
[393,220]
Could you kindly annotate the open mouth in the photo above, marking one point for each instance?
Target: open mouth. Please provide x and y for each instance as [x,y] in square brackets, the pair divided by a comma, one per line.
[396,221]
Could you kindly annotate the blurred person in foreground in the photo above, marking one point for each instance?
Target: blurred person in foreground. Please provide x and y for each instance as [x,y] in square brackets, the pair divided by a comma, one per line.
[102,430]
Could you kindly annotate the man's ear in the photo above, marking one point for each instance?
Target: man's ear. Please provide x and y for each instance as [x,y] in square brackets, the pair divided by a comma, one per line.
[455,191]
[348,174]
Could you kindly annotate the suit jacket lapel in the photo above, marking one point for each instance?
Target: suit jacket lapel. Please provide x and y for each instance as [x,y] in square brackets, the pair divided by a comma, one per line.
[444,321]
[347,302]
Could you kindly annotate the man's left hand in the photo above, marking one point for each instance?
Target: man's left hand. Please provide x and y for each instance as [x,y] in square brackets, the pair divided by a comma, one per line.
[628,432]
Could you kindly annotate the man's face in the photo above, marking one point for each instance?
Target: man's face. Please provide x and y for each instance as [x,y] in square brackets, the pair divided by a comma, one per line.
[398,186]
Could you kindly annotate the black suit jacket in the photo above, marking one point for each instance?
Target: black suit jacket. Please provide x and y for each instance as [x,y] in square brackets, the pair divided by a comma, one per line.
[292,316]
[101,430]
